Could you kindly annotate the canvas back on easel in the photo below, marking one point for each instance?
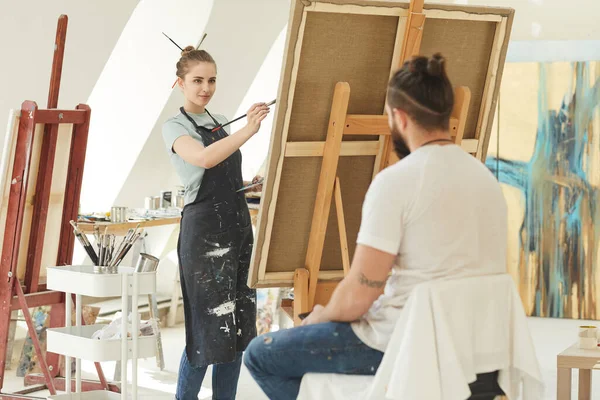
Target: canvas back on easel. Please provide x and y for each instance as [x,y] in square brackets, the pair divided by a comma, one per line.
[332,41]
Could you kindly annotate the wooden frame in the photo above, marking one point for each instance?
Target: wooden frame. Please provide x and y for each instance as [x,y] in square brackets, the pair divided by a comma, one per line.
[16,238]
[13,296]
[289,147]
[309,286]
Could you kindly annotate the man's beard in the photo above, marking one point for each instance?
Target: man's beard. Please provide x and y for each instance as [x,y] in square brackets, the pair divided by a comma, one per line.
[400,146]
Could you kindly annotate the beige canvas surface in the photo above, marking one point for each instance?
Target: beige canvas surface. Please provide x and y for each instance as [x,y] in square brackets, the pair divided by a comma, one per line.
[57,190]
[356,42]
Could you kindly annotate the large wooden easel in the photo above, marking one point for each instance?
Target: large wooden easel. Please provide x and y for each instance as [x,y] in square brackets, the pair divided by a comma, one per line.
[309,289]
[15,295]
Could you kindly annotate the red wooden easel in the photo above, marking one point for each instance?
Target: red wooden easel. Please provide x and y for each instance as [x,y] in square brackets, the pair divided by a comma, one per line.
[15,295]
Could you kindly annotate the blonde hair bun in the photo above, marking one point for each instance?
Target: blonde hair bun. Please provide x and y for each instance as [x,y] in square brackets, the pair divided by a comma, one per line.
[187,50]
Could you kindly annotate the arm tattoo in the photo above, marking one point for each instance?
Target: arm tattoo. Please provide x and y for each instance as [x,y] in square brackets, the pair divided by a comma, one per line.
[370,283]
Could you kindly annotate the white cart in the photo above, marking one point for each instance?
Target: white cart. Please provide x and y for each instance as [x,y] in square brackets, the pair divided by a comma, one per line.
[76,341]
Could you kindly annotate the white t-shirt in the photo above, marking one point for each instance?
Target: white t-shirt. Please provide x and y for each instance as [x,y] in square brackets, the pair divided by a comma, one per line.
[443,213]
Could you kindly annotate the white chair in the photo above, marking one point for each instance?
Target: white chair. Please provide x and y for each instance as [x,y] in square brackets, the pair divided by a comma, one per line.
[449,332]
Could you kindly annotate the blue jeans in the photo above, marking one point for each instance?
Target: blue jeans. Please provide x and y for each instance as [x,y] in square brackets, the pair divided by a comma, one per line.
[224,379]
[277,361]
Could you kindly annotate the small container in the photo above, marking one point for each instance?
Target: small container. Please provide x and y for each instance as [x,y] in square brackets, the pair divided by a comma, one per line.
[587,337]
[118,215]
[179,200]
[146,263]
[148,202]
[165,198]
[105,269]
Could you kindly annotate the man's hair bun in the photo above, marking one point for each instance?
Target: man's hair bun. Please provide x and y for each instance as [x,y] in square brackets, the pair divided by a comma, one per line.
[435,65]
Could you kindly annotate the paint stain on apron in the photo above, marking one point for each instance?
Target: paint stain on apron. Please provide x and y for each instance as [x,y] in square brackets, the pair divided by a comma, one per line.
[214,249]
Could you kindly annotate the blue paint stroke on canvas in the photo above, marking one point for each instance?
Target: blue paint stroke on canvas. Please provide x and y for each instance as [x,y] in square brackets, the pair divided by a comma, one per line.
[560,229]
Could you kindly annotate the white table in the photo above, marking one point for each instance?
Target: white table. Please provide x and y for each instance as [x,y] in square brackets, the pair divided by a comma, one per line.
[582,359]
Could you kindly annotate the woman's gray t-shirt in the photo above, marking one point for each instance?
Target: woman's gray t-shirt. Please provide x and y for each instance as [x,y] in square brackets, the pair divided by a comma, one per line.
[177,126]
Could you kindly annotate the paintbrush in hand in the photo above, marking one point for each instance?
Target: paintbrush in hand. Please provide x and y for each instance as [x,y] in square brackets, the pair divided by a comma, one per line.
[216,128]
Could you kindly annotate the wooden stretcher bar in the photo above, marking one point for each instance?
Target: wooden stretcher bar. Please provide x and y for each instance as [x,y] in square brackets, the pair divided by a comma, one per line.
[491,88]
[320,291]
[77,116]
[299,140]
[331,155]
[39,299]
[393,10]
[411,45]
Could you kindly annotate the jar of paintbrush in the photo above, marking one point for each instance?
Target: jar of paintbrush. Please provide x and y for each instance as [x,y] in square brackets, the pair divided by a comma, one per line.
[110,251]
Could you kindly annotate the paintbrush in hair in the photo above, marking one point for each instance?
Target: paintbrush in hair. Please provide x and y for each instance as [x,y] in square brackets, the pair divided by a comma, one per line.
[172,41]
[197,47]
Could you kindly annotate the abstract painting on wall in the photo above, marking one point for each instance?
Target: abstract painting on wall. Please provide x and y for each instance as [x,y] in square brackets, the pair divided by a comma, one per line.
[545,151]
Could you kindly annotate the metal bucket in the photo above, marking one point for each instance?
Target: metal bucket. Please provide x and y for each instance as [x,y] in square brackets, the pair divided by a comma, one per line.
[165,199]
[146,263]
[118,215]
[179,201]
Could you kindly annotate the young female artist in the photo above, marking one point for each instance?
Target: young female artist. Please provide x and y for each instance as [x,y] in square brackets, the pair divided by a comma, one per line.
[215,240]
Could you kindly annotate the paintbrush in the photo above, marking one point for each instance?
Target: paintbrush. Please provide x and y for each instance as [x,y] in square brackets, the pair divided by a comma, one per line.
[123,242]
[126,239]
[135,231]
[117,260]
[123,252]
[76,229]
[172,41]
[216,128]
[89,249]
[101,247]
[101,252]
[104,246]
[107,249]
[197,47]
[111,247]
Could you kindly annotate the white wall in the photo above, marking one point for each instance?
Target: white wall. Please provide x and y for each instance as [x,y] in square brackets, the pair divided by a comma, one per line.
[132,92]
[537,21]
[264,87]
[240,36]
[27,32]
[547,19]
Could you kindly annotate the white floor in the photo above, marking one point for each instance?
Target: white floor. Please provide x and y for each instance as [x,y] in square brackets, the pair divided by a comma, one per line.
[550,336]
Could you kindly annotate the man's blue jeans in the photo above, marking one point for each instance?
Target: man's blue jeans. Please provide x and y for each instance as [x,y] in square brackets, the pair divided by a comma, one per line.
[224,379]
[278,360]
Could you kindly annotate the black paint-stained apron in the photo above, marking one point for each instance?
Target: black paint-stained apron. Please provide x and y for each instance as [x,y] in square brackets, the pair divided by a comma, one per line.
[214,248]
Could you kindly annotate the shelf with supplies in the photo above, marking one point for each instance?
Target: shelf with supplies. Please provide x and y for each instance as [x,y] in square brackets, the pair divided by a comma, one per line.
[88,280]
[122,227]
[81,342]
[77,342]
